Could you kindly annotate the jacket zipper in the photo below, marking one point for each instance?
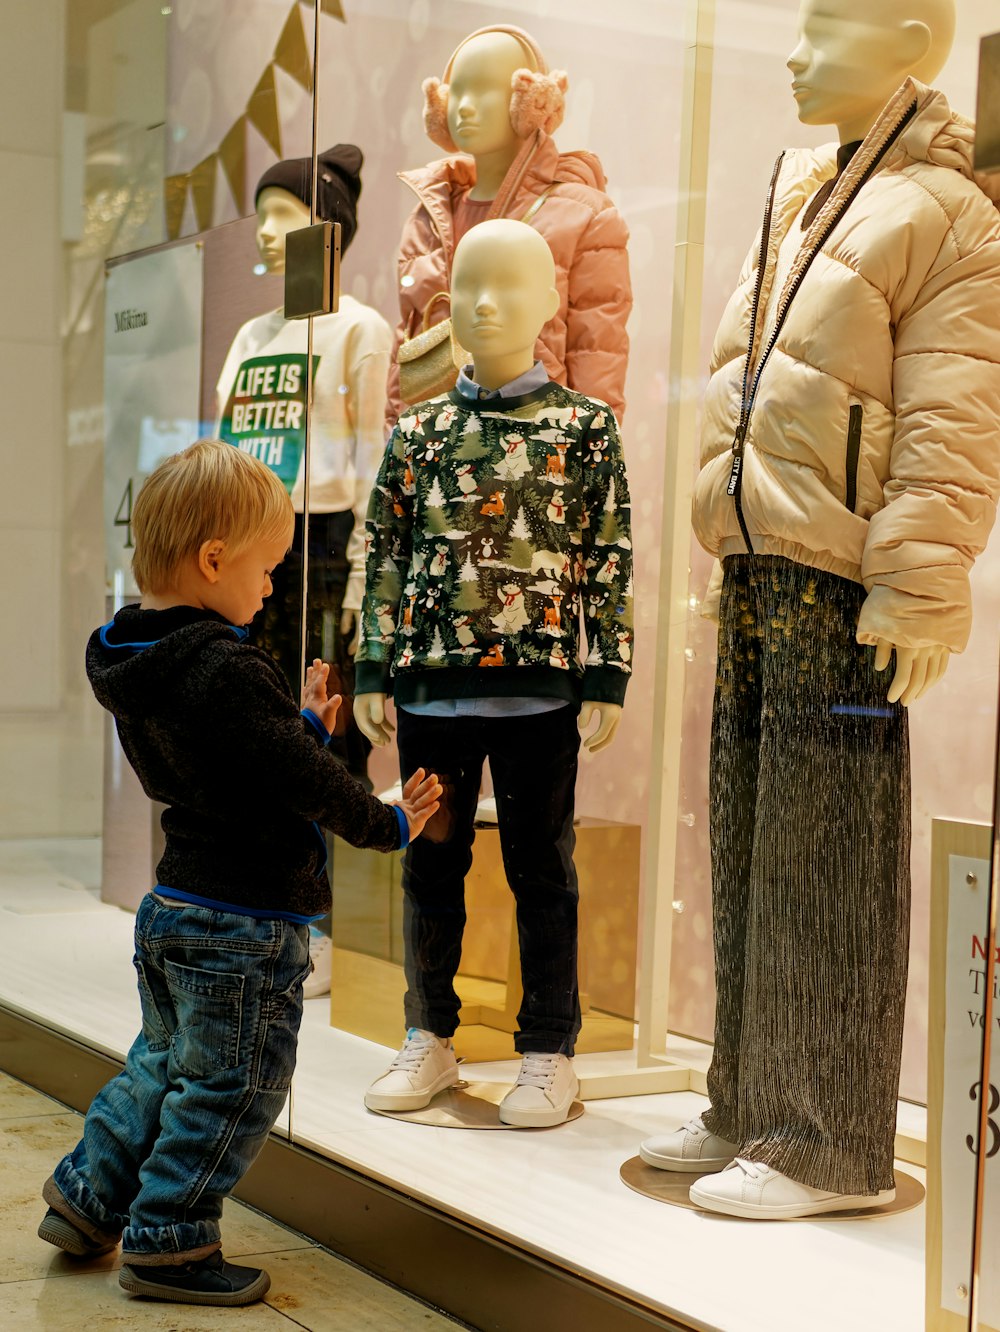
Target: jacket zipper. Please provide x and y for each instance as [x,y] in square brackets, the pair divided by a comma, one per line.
[735,487]
[735,481]
[854,423]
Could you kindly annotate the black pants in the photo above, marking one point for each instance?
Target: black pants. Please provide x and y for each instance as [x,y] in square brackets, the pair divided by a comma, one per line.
[533,760]
[810,833]
[278,627]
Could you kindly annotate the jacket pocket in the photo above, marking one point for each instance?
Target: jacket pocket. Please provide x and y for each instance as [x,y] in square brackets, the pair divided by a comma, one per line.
[855,421]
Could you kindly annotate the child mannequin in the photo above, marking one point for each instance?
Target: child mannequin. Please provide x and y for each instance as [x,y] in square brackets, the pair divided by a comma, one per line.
[261,405]
[351,348]
[499,104]
[847,514]
[473,596]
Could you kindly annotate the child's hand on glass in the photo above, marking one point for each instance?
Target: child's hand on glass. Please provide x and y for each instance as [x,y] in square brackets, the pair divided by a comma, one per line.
[314,694]
[421,800]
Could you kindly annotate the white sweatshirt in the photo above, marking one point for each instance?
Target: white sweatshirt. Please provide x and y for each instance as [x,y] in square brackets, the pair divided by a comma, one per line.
[261,398]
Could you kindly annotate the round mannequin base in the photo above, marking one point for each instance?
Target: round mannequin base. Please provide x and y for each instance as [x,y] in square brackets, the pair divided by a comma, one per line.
[469,1105]
[671,1186]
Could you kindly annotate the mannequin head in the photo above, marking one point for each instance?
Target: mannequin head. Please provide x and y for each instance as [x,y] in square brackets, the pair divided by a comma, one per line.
[284,193]
[278,213]
[497,79]
[478,112]
[503,291]
[852,55]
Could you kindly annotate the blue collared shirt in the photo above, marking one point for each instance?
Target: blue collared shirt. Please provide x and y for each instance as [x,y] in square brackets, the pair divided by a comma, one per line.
[532,380]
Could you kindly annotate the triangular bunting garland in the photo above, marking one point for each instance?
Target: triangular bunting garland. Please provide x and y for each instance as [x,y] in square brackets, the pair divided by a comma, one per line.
[203,191]
[233,156]
[291,54]
[175,190]
[262,110]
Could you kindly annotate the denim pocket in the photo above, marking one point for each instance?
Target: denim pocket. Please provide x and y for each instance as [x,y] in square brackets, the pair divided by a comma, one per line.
[209,1008]
[283,1010]
[153,1027]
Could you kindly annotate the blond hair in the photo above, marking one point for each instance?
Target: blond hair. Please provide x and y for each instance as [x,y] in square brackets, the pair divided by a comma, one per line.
[210,491]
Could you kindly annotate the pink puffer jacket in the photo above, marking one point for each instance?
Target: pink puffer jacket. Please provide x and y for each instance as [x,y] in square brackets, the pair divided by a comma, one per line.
[585,345]
[860,432]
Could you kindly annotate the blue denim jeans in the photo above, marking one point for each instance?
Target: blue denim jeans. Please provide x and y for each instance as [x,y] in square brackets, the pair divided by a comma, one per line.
[533,760]
[167,1139]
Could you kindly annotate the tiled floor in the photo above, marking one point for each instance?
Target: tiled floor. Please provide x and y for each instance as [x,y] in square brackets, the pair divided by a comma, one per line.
[42,1289]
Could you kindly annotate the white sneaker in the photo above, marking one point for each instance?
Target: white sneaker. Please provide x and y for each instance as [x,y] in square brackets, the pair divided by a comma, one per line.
[752,1189]
[321,956]
[691,1148]
[425,1065]
[546,1087]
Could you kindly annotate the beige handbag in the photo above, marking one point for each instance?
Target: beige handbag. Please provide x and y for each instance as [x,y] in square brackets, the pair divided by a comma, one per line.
[429,363]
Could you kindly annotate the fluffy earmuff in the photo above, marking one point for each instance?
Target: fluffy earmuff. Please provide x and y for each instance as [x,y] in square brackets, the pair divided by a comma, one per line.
[537,97]
[537,101]
[436,114]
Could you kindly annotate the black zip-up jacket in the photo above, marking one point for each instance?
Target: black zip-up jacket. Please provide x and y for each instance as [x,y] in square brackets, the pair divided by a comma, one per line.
[210,727]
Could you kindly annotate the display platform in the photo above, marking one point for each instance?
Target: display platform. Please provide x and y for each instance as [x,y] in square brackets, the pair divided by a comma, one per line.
[471,1105]
[673,1187]
[65,961]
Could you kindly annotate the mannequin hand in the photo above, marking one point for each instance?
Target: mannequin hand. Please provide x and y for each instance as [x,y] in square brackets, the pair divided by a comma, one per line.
[608,716]
[917,669]
[421,799]
[369,713]
[348,626]
[314,694]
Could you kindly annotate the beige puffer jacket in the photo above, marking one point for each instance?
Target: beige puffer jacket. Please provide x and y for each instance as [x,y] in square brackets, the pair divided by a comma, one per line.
[870,415]
[584,345]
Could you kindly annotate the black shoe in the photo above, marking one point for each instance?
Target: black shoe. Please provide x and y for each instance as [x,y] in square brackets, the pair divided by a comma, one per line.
[211,1280]
[64,1235]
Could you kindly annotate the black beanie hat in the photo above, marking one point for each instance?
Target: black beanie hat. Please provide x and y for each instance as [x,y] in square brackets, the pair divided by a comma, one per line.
[339,185]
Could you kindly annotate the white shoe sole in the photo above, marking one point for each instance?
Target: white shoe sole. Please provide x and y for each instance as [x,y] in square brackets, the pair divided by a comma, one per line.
[415,1100]
[537,1118]
[687,1165]
[789,1211]
[317,990]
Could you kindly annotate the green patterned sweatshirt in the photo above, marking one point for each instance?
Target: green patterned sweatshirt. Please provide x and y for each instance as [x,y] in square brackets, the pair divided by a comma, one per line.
[494,528]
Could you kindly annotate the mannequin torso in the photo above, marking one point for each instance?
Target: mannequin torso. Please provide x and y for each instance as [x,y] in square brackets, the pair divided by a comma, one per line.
[509,159]
[503,290]
[844,71]
[914,148]
[266,415]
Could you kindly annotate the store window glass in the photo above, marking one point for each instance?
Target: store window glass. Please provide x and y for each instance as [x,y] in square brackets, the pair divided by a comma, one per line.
[383,57]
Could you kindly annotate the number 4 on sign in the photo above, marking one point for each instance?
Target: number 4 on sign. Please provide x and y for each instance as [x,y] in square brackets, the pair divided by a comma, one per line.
[124,519]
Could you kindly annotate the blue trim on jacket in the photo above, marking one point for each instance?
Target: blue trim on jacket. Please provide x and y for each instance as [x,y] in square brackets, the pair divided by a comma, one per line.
[404,827]
[240,632]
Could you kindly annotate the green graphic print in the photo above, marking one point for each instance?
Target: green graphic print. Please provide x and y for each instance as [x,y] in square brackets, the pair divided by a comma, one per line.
[265,414]
[492,530]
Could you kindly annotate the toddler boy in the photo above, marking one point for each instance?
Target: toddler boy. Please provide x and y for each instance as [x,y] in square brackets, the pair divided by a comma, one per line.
[222,944]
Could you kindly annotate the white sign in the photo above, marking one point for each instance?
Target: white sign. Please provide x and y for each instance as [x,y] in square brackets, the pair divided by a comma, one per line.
[968,888]
[152,382]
